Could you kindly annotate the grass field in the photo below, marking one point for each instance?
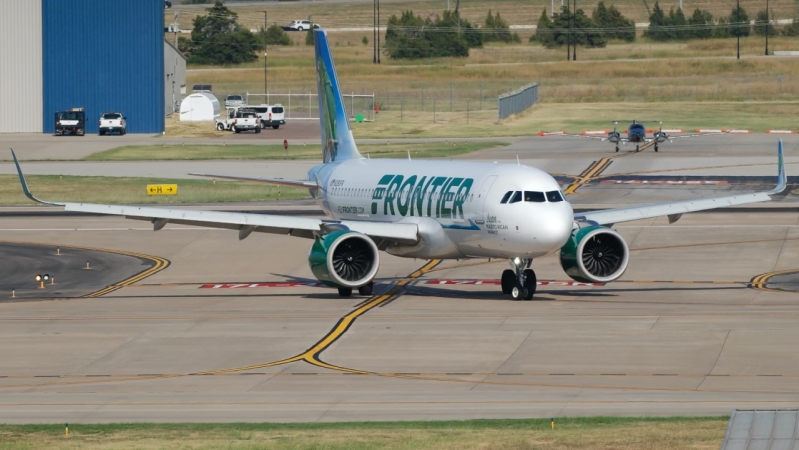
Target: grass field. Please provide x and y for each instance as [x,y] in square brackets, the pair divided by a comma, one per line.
[121,190]
[676,433]
[266,152]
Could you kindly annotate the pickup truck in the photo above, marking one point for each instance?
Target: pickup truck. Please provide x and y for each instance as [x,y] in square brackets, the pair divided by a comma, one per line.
[70,122]
[113,122]
[239,120]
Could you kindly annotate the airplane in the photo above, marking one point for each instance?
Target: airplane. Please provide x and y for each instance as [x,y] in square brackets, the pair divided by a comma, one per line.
[636,134]
[428,210]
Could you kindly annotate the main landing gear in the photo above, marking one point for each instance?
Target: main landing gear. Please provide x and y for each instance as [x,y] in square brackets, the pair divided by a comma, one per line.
[617,149]
[520,282]
[636,147]
[656,147]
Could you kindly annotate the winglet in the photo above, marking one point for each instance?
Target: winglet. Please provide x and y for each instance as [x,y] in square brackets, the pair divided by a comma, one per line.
[782,179]
[25,183]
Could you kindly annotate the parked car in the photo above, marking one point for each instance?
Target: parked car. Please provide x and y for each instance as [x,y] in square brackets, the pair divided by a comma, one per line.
[167,4]
[234,100]
[271,116]
[112,122]
[301,25]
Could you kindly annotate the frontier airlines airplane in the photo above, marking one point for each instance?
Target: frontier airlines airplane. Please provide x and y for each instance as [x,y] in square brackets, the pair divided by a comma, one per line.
[429,209]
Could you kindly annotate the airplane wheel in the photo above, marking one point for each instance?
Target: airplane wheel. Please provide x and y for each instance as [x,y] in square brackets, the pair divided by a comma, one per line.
[617,149]
[518,292]
[656,149]
[508,280]
[636,148]
[529,284]
[366,289]
[345,292]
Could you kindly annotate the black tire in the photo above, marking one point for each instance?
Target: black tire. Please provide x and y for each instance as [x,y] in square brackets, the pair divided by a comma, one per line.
[257,130]
[656,148]
[263,125]
[236,130]
[617,149]
[366,289]
[124,132]
[508,280]
[275,127]
[529,283]
[102,133]
[220,127]
[636,148]
[81,132]
[345,292]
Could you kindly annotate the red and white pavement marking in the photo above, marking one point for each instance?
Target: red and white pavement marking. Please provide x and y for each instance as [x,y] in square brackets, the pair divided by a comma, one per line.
[273,284]
[738,131]
[497,283]
[667,182]
[666,130]
[551,133]
[779,131]
[595,133]
[700,130]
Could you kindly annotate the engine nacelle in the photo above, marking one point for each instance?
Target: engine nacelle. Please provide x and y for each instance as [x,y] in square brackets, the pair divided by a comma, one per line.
[344,258]
[594,255]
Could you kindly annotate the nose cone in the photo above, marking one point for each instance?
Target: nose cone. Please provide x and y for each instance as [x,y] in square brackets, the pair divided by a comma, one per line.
[556,227]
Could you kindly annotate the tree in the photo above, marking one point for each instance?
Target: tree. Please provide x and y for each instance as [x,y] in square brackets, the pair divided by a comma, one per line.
[739,22]
[496,29]
[763,23]
[309,37]
[792,29]
[411,37]
[613,23]
[543,32]
[274,35]
[701,23]
[581,29]
[722,28]
[217,38]
[679,24]
[658,25]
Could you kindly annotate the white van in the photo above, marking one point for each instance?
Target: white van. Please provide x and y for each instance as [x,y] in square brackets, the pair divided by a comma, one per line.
[271,115]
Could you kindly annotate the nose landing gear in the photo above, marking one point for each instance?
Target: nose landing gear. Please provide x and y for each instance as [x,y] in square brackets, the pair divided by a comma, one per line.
[519,283]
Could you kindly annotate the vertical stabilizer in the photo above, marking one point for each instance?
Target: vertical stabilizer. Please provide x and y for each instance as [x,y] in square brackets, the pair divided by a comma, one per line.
[337,141]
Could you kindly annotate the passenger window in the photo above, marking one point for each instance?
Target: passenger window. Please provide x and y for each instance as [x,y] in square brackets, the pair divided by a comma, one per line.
[535,197]
[517,197]
[506,197]
[554,196]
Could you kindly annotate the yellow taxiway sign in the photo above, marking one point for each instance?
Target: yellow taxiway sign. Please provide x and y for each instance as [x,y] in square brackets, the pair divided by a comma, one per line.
[162,189]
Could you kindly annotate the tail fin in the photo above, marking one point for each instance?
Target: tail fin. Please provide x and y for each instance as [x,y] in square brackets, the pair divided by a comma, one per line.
[337,141]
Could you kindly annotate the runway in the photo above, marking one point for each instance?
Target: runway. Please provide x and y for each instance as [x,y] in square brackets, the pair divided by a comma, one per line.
[704,321]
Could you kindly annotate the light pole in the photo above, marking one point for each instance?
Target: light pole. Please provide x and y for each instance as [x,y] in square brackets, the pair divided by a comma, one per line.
[266,84]
[378,31]
[737,27]
[374,31]
[574,19]
[768,25]
[569,33]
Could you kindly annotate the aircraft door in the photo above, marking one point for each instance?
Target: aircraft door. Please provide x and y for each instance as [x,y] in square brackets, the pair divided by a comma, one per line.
[479,210]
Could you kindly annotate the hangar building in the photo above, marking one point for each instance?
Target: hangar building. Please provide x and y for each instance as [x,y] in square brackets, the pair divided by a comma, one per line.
[94,54]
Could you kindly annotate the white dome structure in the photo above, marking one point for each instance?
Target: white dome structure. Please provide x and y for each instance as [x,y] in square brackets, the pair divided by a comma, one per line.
[199,107]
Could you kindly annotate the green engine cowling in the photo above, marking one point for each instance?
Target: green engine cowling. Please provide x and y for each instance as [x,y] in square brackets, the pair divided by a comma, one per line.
[594,255]
[344,259]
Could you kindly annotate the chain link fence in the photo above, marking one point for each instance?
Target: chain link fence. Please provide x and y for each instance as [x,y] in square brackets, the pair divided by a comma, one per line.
[517,101]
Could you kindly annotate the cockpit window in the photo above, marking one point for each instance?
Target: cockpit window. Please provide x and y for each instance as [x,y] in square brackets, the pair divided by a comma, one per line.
[554,196]
[535,197]
[506,197]
[517,197]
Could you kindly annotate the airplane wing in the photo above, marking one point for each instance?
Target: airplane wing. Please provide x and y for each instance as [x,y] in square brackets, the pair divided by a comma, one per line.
[245,223]
[675,210]
[281,181]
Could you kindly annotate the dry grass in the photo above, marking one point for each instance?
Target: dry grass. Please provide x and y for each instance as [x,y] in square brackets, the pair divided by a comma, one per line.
[276,152]
[516,12]
[573,117]
[571,434]
[122,190]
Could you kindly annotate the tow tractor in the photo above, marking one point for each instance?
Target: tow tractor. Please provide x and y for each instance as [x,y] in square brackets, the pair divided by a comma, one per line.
[70,122]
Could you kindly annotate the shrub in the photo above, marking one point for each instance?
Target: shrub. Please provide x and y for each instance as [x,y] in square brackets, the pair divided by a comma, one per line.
[615,24]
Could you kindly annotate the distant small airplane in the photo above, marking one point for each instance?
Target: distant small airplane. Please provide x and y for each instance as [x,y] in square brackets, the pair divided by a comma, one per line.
[636,134]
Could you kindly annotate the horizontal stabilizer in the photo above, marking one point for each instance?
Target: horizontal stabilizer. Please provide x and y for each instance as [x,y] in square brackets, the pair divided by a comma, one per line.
[279,181]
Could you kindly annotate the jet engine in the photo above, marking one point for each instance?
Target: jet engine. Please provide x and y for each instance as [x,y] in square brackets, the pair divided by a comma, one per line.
[594,255]
[344,259]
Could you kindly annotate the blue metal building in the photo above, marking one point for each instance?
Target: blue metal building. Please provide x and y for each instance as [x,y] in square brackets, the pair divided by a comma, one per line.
[104,56]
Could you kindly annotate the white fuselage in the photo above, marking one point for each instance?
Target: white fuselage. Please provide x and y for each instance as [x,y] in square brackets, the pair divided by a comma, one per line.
[456,204]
